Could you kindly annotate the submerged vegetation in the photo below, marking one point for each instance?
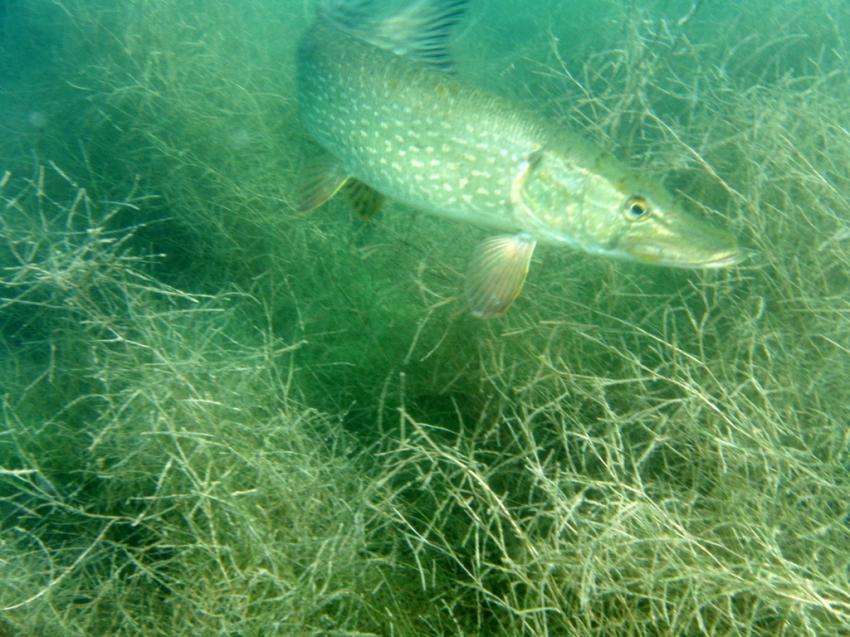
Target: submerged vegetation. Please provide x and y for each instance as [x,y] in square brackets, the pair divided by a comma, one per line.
[219,418]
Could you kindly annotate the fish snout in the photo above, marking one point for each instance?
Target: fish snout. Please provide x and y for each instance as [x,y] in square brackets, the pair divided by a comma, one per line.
[684,242]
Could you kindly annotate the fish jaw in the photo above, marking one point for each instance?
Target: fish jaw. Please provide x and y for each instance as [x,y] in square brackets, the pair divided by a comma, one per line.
[679,239]
[593,202]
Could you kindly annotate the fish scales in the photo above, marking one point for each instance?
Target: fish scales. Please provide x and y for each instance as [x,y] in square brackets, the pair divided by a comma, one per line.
[415,134]
[372,94]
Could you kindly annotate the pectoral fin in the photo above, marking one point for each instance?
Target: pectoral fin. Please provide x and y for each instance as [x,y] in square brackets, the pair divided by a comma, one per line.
[497,274]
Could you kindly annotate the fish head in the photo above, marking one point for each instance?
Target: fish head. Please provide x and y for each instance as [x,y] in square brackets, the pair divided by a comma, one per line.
[655,228]
[603,208]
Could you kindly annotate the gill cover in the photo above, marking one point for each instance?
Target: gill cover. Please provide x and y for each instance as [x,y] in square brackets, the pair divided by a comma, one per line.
[589,200]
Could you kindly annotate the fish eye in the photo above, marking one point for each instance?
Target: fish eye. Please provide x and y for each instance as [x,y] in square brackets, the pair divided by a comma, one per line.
[636,208]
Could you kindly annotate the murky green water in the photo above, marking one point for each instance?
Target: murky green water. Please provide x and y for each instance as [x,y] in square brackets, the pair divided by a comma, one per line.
[222,418]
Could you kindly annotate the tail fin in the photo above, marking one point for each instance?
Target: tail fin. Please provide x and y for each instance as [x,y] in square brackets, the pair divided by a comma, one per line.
[420,31]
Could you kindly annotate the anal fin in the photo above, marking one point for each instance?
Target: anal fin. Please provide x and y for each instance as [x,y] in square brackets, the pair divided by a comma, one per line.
[497,274]
[323,177]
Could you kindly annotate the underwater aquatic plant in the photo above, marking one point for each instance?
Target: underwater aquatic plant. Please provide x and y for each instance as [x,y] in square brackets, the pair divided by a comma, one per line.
[219,417]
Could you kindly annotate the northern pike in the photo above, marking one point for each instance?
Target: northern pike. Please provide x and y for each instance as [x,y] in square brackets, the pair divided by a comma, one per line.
[376,94]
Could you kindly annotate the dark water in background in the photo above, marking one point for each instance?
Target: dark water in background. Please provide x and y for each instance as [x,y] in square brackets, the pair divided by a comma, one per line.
[503,47]
[643,441]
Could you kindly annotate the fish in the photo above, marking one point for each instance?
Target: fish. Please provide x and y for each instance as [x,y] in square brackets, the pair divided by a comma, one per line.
[390,118]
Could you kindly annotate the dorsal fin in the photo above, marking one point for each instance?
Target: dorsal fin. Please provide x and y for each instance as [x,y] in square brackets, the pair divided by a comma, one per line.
[420,31]
[352,16]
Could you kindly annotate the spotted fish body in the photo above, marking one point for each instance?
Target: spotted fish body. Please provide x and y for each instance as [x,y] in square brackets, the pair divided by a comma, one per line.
[389,118]
[411,132]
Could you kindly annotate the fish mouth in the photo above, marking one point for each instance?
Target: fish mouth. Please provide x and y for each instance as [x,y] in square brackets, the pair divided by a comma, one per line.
[725,259]
[714,259]
[683,242]
[733,257]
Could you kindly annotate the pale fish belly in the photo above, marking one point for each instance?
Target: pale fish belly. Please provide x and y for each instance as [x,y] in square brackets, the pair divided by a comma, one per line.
[412,133]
